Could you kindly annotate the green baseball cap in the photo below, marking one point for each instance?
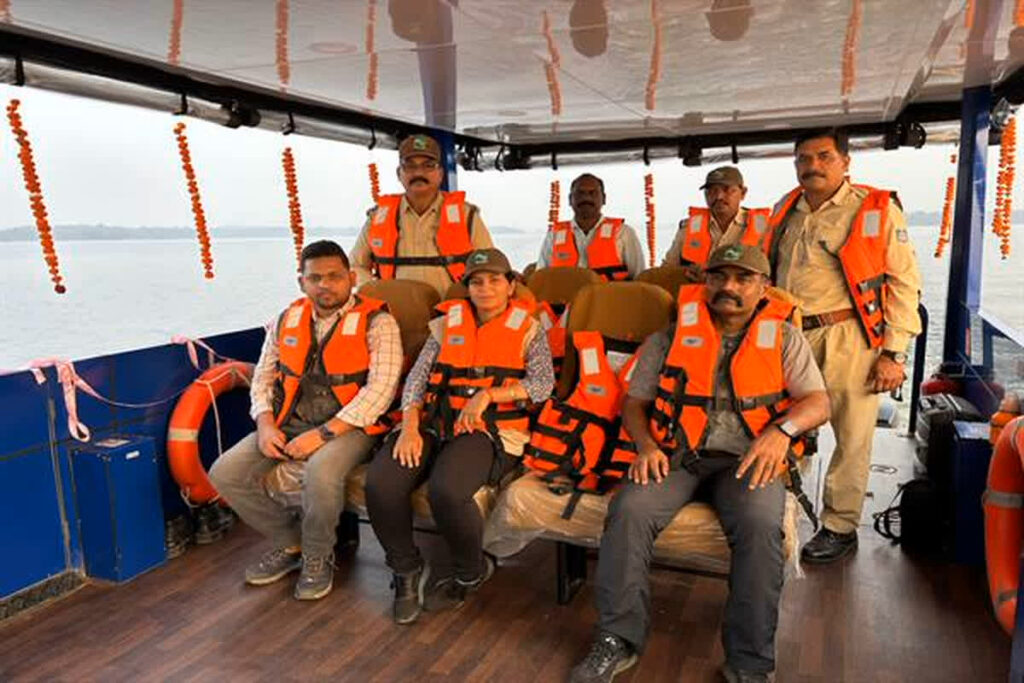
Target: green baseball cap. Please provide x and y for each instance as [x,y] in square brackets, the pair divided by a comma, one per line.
[724,175]
[490,260]
[743,256]
[419,145]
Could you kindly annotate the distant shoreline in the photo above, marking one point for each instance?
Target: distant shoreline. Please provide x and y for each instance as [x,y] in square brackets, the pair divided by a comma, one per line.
[80,233]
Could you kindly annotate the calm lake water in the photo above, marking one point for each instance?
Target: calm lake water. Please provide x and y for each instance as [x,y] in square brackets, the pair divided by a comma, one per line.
[131,294]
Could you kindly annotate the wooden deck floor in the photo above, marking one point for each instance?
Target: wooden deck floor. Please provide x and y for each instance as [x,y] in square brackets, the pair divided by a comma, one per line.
[875,617]
[878,617]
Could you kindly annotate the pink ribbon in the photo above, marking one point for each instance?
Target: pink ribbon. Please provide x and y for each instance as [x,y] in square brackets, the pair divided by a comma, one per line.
[69,381]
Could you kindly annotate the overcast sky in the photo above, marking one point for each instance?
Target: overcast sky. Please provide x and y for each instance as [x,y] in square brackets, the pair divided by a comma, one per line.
[118,165]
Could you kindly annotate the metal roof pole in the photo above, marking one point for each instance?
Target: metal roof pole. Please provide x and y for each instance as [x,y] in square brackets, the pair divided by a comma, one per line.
[963,296]
[436,57]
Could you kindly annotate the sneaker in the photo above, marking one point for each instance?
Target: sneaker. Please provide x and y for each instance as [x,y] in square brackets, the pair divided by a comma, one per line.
[275,564]
[316,579]
[828,546]
[450,592]
[609,656]
[409,594]
[736,676]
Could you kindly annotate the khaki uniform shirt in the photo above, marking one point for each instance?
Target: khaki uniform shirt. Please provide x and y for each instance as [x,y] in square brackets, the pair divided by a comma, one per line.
[808,268]
[417,236]
[731,235]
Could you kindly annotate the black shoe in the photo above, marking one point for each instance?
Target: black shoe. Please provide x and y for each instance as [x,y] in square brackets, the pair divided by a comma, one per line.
[609,655]
[409,589]
[450,592]
[736,676]
[828,546]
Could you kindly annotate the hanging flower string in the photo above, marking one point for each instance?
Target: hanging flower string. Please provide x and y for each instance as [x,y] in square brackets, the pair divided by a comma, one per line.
[284,72]
[1002,217]
[202,232]
[1018,13]
[371,74]
[294,208]
[35,195]
[654,71]
[174,45]
[374,181]
[554,204]
[551,66]
[5,11]
[649,211]
[850,43]
[946,226]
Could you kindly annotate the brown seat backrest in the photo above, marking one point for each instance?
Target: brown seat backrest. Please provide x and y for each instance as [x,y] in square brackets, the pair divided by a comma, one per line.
[529,270]
[627,311]
[459,291]
[412,303]
[560,285]
[669,278]
[783,295]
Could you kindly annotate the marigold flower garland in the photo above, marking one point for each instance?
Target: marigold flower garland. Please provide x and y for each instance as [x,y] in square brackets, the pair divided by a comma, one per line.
[946,226]
[551,66]
[374,181]
[294,208]
[1002,219]
[202,232]
[554,204]
[174,46]
[5,11]
[284,72]
[654,71]
[35,195]
[850,48]
[649,211]
[371,25]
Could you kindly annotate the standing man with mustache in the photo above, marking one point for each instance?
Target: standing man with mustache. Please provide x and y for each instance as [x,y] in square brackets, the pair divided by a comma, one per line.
[424,234]
[723,222]
[715,402]
[606,245]
[844,251]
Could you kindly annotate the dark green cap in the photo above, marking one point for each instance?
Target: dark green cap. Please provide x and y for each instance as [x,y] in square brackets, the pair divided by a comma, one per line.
[743,256]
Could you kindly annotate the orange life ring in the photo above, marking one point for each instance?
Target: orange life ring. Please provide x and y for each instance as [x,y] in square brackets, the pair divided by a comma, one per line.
[1004,521]
[186,420]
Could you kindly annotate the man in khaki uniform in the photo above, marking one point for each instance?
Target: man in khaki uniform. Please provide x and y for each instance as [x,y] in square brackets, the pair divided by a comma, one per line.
[726,220]
[811,225]
[418,219]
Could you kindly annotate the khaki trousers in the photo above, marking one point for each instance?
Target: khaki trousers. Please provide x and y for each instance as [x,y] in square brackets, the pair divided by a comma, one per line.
[845,361]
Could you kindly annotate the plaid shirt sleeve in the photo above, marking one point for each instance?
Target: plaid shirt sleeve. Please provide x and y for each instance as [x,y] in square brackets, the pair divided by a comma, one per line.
[374,398]
[261,391]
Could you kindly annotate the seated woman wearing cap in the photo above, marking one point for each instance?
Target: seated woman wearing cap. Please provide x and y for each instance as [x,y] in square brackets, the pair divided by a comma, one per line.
[464,419]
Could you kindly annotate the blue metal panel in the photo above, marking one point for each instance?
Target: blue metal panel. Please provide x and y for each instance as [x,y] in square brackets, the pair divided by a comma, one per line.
[119,510]
[964,293]
[31,536]
[23,420]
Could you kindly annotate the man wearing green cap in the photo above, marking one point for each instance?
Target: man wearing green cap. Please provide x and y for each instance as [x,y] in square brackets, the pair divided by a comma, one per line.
[424,234]
[719,402]
[723,222]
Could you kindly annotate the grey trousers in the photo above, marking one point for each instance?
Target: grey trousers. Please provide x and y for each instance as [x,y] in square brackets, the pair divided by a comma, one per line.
[238,474]
[752,521]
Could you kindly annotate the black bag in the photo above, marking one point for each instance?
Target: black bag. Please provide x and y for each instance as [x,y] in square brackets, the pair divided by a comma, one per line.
[920,523]
[936,434]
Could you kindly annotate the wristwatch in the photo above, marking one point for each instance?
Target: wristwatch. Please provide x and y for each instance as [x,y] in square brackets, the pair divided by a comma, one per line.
[325,433]
[788,428]
[900,358]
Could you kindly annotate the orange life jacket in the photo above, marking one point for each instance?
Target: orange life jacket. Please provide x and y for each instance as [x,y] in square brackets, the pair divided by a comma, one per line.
[582,438]
[686,387]
[343,355]
[696,244]
[476,357]
[603,255]
[862,257]
[553,318]
[453,239]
